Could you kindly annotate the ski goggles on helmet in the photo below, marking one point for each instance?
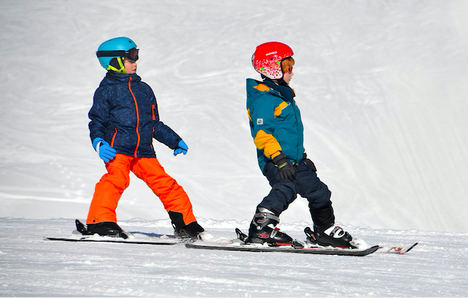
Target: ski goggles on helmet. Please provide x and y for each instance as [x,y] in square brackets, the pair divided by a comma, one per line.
[131,54]
[287,64]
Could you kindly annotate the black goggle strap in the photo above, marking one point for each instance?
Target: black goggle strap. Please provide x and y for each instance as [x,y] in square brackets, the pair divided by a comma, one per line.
[130,54]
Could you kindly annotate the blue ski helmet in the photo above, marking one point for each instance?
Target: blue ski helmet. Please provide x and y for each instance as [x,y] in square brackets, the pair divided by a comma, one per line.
[116,48]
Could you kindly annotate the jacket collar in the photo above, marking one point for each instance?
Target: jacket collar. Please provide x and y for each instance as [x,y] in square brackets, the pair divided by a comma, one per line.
[122,77]
[286,91]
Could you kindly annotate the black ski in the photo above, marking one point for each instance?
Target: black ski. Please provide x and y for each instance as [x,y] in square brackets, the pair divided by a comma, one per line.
[399,250]
[295,247]
[116,240]
[287,249]
[134,237]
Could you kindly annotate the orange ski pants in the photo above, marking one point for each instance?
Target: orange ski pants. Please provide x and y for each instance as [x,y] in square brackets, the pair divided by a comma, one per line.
[111,186]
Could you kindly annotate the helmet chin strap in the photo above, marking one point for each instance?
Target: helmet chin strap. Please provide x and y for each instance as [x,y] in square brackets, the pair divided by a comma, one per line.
[119,64]
[282,82]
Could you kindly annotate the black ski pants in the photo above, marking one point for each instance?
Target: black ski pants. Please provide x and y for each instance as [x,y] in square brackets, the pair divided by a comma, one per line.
[307,184]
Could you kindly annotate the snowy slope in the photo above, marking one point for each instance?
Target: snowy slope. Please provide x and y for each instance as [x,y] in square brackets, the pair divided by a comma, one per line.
[33,267]
[382,90]
[381,86]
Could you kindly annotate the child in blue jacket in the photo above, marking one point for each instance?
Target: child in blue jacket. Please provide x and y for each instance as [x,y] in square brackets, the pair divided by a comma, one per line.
[277,130]
[124,120]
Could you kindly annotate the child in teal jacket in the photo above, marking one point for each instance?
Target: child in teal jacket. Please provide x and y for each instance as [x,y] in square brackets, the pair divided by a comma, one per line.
[277,130]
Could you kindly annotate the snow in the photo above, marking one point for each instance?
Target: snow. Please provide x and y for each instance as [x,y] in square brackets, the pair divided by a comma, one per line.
[34,267]
[382,90]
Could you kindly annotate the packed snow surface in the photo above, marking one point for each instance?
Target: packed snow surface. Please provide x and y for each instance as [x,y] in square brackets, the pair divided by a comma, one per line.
[382,88]
[31,266]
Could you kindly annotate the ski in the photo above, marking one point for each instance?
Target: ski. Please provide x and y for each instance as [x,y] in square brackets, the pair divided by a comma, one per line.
[134,237]
[399,250]
[239,244]
[113,240]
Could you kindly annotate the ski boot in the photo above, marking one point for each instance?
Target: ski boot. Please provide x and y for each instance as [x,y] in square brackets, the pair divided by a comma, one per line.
[333,236]
[263,229]
[191,231]
[105,228]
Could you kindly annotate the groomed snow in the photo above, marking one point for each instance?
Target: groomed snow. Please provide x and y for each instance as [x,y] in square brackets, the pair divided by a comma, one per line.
[34,267]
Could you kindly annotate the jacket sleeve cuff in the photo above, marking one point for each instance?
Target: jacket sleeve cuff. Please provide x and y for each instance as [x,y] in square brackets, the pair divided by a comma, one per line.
[96,142]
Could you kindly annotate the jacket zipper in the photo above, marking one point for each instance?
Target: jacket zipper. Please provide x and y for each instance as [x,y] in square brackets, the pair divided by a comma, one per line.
[137,117]
[113,137]
[294,106]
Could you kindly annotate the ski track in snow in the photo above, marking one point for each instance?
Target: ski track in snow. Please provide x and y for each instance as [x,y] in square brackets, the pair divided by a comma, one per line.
[31,266]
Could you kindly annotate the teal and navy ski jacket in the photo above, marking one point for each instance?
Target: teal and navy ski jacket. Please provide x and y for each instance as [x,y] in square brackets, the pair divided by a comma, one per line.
[125,114]
[275,121]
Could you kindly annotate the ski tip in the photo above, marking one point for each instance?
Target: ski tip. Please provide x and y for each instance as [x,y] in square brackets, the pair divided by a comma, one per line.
[411,247]
[399,250]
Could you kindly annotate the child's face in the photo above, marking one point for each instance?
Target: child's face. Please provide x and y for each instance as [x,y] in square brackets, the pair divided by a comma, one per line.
[287,76]
[130,66]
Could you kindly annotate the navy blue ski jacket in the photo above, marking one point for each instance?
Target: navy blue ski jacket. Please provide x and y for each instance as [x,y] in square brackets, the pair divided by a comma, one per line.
[125,114]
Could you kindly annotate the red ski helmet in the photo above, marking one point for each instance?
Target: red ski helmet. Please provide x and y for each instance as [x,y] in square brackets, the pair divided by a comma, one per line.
[268,56]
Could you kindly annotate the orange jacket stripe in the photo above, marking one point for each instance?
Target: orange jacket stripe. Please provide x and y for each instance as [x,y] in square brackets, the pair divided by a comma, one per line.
[280,108]
[262,87]
[137,116]
[268,143]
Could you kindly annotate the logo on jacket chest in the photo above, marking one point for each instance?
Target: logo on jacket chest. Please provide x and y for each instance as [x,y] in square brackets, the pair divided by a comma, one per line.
[259,121]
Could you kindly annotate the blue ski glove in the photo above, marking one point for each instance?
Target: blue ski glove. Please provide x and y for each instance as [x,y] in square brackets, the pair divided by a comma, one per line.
[182,148]
[105,151]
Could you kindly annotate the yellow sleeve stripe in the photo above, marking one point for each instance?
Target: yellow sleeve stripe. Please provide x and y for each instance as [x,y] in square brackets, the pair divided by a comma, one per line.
[268,143]
[248,113]
[280,108]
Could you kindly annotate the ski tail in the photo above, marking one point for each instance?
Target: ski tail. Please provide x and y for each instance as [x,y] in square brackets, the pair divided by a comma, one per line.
[81,227]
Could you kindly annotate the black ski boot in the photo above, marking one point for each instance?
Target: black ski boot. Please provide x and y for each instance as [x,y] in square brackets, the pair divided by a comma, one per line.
[105,228]
[181,230]
[190,231]
[334,236]
[263,229]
